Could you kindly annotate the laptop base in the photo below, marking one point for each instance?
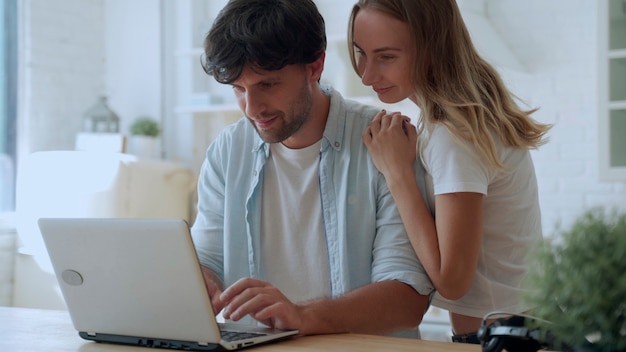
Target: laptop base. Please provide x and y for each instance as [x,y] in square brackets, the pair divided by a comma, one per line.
[151,342]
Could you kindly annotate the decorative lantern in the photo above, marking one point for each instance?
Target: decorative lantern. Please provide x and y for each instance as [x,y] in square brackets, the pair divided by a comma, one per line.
[100,118]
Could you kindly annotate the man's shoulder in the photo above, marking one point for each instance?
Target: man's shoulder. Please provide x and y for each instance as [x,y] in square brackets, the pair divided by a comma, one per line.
[359,109]
[350,106]
[234,138]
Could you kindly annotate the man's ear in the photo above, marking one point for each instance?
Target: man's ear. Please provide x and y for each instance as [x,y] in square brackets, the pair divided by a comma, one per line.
[317,67]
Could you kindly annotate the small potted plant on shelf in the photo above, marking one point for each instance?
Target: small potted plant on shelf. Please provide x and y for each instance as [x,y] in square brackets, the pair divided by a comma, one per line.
[578,283]
[144,137]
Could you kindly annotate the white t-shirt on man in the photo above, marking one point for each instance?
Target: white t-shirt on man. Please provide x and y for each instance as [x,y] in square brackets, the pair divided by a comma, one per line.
[291,220]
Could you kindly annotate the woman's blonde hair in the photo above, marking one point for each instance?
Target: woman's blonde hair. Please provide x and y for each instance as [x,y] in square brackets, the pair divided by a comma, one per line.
[453,84]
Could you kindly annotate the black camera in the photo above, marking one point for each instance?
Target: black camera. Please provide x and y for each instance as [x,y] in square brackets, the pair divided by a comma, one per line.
[516,333]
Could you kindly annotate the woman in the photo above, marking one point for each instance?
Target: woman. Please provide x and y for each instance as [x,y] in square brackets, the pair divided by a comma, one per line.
[474,143]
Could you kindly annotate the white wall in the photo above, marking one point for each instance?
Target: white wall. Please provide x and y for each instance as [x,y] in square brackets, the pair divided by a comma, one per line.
[132,41]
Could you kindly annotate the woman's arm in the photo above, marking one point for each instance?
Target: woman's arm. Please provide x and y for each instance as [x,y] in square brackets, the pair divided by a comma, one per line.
[449,246]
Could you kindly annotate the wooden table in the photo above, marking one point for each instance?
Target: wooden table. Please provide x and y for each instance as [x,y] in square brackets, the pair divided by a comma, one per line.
[23,329]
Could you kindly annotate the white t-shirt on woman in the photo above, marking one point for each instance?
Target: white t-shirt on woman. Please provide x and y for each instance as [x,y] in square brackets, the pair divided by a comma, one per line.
[511,218]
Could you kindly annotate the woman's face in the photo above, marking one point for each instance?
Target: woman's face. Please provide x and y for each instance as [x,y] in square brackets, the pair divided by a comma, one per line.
[384,55]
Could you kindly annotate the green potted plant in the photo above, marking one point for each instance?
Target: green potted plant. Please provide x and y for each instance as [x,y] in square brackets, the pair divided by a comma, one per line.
[578,283]
[145,126]
[144,140]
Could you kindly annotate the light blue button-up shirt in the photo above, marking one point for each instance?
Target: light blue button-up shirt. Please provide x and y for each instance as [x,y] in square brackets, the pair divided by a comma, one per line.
[365,236]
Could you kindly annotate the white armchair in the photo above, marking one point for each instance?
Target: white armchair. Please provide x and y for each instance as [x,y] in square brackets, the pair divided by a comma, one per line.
[87,184]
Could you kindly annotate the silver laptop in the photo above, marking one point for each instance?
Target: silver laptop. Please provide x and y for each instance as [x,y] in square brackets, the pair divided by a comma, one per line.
[139,282]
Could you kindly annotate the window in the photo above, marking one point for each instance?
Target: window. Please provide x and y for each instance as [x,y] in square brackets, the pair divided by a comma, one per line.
[8,102]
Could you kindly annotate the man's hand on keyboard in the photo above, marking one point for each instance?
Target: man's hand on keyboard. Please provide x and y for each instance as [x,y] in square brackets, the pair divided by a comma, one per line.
[263,302]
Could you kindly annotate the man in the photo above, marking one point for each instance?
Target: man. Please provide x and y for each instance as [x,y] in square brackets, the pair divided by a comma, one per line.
[296,227]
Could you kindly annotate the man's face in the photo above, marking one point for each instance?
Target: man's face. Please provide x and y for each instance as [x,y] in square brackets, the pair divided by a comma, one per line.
[277,103]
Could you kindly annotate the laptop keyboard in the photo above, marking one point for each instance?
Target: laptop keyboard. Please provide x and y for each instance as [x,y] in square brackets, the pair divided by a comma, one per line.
[239,335]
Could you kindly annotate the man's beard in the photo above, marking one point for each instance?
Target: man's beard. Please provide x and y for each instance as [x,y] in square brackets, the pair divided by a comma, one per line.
[297,116]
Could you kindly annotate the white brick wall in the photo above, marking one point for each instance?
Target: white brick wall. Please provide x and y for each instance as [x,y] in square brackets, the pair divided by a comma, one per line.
[77,50]
[63,56]
[557,40]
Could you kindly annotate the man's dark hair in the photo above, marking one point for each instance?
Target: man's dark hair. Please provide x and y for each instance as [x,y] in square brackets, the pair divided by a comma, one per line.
[265,34]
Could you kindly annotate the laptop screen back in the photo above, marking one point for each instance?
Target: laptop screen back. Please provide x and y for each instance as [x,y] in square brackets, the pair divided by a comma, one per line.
[131,277]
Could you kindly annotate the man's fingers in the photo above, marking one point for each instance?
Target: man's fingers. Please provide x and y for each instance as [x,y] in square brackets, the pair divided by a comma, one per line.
[241,285]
